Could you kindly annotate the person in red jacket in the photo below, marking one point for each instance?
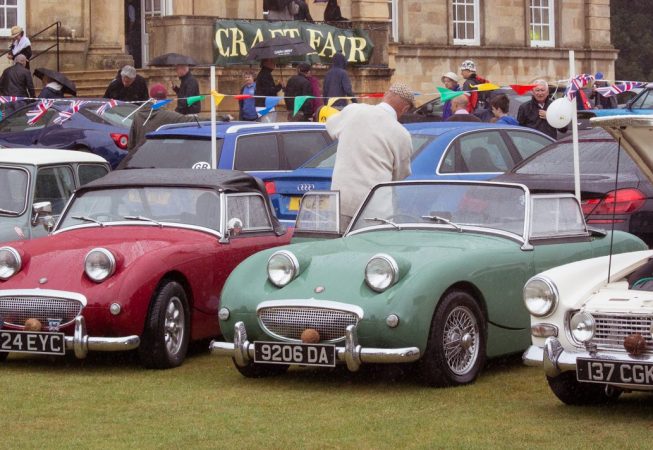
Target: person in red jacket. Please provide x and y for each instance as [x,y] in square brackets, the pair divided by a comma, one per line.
[477,100]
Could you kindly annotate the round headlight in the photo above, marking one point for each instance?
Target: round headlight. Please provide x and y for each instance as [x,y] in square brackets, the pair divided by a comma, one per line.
[381,272]
[99,264]
[582,326]
[283,267]
[10,262]
[540,296]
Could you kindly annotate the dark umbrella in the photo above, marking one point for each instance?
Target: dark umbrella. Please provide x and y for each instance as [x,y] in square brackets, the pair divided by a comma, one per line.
[68,86]
[279,47]
[172,59]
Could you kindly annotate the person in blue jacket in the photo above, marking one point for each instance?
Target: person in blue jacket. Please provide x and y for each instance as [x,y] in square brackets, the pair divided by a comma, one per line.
[499,105]
[248,105]
[337,82]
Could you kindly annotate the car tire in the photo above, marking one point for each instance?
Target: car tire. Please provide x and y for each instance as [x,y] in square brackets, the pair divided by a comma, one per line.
[164,343]
[454,355]
[571,392]
[254,370]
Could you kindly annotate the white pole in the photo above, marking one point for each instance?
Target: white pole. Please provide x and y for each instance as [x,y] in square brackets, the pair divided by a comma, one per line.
[574,129]
[214,147]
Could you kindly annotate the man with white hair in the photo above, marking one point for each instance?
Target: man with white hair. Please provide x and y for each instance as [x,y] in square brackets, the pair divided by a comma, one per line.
[532,114]
[128,86]
[16,81]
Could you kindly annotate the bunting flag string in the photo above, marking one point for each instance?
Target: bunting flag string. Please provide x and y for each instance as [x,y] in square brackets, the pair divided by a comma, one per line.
[104,107]
[576,84]
[618,88]
[10,99]
[39,111]
[75,105]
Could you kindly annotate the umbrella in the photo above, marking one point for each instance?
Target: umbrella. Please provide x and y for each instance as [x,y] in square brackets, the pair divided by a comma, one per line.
[279,47]
[172,59]
[68,86]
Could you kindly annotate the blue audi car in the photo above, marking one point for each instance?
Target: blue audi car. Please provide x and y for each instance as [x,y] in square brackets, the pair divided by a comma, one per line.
[441,151]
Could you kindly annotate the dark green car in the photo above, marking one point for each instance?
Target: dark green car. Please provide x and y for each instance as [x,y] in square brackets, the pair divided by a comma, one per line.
[428,272]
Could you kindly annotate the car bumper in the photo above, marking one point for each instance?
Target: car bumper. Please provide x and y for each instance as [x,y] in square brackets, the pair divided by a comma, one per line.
[81,343]
[352,354]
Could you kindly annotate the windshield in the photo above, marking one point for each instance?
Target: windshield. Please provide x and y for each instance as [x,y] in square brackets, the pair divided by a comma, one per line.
[326,159]
[175,153]
[13,191]
[451,205]
[190,206]
[113,116]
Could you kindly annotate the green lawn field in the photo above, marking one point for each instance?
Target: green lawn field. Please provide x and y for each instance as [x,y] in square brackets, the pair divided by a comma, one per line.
[109,401]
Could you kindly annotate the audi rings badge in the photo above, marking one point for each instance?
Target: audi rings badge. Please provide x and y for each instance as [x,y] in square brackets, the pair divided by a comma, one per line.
[305,187]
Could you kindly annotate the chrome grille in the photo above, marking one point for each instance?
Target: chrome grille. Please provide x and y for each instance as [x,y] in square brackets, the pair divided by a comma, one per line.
[611,330]
[288,322]
[16,310]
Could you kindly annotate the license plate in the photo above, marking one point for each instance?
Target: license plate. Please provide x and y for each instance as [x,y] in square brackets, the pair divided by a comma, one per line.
[323,355]
[294,203]
[32,342]
[618,372]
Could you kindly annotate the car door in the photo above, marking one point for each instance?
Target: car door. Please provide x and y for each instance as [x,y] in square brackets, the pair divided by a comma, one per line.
[524,143]
[54,184]
[15,129]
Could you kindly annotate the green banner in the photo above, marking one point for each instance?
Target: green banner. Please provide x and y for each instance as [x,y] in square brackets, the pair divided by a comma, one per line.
[234,38]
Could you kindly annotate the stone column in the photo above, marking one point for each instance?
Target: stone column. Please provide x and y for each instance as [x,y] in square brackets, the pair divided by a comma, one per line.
[370,10]
[598,23]
[107,36]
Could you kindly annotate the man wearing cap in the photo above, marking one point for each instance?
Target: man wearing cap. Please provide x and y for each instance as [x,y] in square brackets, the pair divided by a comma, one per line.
[450,81]
[476,99]
[299,85]
[128,86]
[148,119]
[16,81]
[20,44]
[373,147]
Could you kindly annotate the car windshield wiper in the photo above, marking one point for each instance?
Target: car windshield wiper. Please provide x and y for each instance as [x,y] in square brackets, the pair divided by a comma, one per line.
[442,219]
[144,219]
[378,219]
[87,219]
[8,211]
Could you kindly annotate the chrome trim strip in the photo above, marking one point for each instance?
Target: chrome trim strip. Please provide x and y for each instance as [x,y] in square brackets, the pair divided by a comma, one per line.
[313,303]
[80,342]
[44,293]
[140,223]
[265,206]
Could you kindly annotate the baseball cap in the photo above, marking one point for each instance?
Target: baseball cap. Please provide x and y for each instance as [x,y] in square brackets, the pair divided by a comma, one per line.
[158,91]
[402,90]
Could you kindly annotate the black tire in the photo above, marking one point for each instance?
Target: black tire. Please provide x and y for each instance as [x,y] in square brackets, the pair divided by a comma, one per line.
[463,361]
[164,343]
[253,370]
[571,392]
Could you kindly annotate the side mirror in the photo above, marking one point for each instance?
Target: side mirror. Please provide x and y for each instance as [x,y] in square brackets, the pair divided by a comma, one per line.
[429,108]
[42,213]
[234,226]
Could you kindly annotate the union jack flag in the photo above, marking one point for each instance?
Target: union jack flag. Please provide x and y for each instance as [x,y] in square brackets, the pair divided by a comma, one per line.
[576,84]
[618,88]
[65,115]
[7,99]
[106,106]
[37,113]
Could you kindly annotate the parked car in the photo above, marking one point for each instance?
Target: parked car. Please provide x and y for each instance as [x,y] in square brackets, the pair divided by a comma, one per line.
[621,200]
[641,104]
[441,151]
[427,272]
[35,185]
[105,135]
[592,321]
[136,261]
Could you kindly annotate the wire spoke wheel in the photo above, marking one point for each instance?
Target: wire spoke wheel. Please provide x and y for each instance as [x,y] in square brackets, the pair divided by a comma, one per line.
[460,340]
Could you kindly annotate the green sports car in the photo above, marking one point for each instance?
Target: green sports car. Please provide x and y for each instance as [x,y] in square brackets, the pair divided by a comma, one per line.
[428,272]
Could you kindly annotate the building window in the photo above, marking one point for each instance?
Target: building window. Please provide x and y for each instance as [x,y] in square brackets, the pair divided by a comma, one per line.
[541,27]
[466,29]
[393,14]
[154,8]
[12,12]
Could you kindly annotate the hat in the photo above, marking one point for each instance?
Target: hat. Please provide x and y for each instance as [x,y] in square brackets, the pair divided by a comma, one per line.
[304,67]
[468,65]
[402,90]
[452,76]
[15,31]
[158,91]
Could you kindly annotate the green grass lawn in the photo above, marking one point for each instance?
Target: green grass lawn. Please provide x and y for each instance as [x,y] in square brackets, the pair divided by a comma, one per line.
[111,402]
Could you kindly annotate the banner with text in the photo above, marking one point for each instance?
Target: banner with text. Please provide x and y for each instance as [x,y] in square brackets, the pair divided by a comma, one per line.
[234,38]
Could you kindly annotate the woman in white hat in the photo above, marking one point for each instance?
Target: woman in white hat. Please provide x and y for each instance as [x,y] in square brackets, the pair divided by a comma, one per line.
[20,44]
[450,81]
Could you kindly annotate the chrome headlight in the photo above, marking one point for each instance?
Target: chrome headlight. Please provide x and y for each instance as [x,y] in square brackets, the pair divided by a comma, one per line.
[582,326]
[10,262]
[540,296]
[99,264]
[381,272]
[283,267]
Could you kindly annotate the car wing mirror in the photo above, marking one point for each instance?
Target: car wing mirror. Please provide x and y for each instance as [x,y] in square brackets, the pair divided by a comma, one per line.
[42,213]
[234,227]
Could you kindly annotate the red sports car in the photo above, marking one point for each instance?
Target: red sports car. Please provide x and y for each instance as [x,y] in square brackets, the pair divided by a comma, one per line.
[136,261]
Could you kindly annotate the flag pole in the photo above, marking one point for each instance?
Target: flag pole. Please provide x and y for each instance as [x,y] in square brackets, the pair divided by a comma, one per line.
[574,130]
[214,147]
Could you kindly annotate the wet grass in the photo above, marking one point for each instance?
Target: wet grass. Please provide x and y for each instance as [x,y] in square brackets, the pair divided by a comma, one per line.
[111,402]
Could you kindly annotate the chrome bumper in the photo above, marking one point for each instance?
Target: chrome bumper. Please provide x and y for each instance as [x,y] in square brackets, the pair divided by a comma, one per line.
[80,342]
[555,360]
[352,354]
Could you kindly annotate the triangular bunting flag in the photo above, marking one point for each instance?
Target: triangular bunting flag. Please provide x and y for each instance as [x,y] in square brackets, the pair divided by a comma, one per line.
[373,95]
[522,89]
[448,94]
[194,99]
[243,96]
[217,98]
[161,103]
[299,102]
[332,100]
[486,87]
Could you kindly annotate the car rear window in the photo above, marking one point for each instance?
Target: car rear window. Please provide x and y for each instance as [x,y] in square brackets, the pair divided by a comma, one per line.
[175,153]
[116,116]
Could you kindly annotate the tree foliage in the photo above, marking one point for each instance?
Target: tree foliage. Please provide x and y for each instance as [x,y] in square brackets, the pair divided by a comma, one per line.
[633,37]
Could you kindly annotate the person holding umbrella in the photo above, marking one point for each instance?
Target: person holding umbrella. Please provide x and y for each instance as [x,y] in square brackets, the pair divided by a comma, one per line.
[265,85]
[189,87]
[55,84]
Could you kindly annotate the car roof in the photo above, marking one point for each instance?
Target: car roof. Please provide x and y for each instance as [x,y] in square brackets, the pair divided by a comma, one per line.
[203,129]
[228,180]
[43,156]
[440,128]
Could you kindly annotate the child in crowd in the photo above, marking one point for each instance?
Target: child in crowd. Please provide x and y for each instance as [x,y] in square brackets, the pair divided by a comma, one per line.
[247,106]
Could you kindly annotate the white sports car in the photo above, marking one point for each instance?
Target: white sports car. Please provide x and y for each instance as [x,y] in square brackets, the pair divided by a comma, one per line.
[592,320]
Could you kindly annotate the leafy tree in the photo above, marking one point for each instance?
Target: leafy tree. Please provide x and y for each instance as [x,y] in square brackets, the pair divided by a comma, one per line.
[632,36]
